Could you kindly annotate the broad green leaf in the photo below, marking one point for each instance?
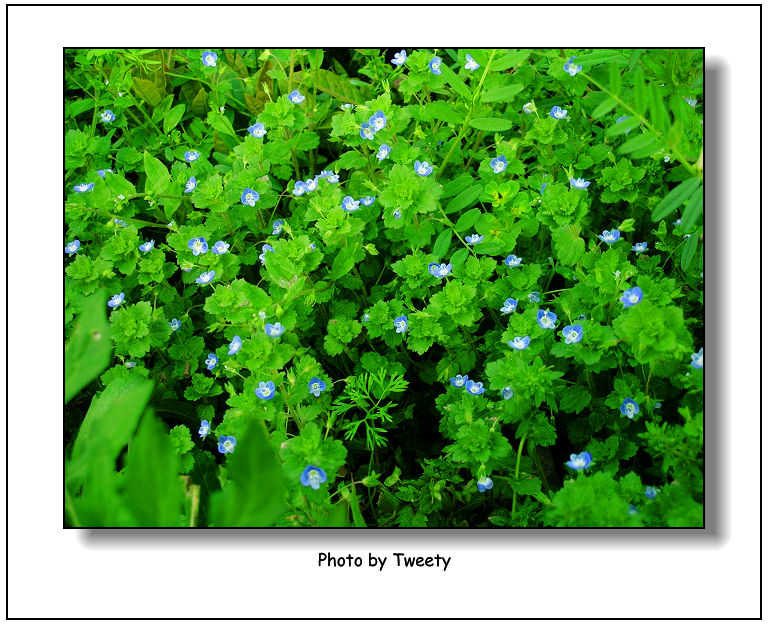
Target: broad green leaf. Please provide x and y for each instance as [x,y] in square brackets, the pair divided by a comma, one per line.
[693,210]
[441,111]
[596,58]
[158,178]
[468,219]
[443,243]
[604,107]
[466,198]
[89,348]
[173,117]
[642,142]
[675,198]
[458,258]
[457,83]
[622,126]
[343,262]
[640,91]
[511,59]
[614,78]
[689,250]
[491,124]
[502,94]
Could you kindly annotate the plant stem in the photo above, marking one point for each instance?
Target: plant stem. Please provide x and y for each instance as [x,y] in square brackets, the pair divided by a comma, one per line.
[517,469]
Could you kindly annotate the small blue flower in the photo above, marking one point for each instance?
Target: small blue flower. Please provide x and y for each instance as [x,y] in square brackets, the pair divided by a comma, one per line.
[631,296]
[206,278]
[581,461]
[103,172]
[401,324]
[198,246]
[274,330]
[325,173]
[147,246]
[311,184]
[366,132]
[210,58]
[507,393]
[510,305]
[691,102]
[484,484]
[609,236]
[367,200]
[459,381]
[474,239]
[349,204]
[220,247]
[513,261]
[257,130]
[579,183]
[377,121]
[471,65]
[629,408]
[632,510]
[83,188]
[311,247]
[383,152]
[651,492]
[519,342]
[313,477]
[235,345]
[277,227]
[571,68]
[558,113]
[572,334]
[299,188]
[130,364]
[541,190]
[347,106]
[249,197]
[191,156]
[211,362]
[107,116]
[190,185]
[399,58]
[422,168]
[296,97]
[529,108]
[116,300]
[227,444]
[120,222]
[265,391]
[474,387]
[434,66]
[534,297]
[546,319]
[639,247]
[264,249]
[72,247]
[175,324]
[366,317]
[205,428]
[316,386]
[697,359]
[397,214]
[333,179]
[439,270]
[499,163]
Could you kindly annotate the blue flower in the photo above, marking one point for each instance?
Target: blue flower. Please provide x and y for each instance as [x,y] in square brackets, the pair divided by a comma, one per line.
[581,461]
[632,510]
[198,246]
[484,484]
[296,97]
[191,185]
[528,108]
[333,179]
[609,236]
[474,239]
[474,387]
[422,168]
[103,172]
[266,390]
[130,364]
[510,305]
[210,58]
[277,227]
[220,247]
[349,204]
[639,247]
[513,261]
[347,106]
[147,246]
[367,200]
[316,386]
[227,444]
[499,163]
[541,190]
[377,121]
[507,393]
[439,270]
[366,131]
[434,65]
[519,343]
[299,188]
[83,187]
[274,330]
[691,102]
[264,249]
[249,197]
[571,68]
[546,319]
[397,214]
[205,428]
[257,130]
[459,381]
[366,317]
[116,300]
[631,296]
[175,324]
[579,183]
[107,116]
[311,184]
[313,477]
[399,58]
[325,173]
[211,362]
[206,278]
[651,492]
[558,113]
[120,222]
[471,65]
[383,152]
[697,359]
[191,156]
[533,297]
[235,345]
[311,247]
[72,247]
[573,334]
[401,324]
[629,408]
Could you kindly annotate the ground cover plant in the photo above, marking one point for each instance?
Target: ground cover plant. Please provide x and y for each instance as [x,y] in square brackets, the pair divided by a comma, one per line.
[383,288]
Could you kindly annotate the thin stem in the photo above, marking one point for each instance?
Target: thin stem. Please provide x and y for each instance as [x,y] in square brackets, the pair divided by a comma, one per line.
[517,469]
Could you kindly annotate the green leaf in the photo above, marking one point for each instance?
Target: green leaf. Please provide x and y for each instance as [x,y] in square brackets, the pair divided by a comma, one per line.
[689,250]
[158,178]
[343,262]
[468,219]
[501,94]
[622,126]
[604,107]
[511,59]
[173,117]
[491,124]
[440,109]
[642,142]
[443,243]
[89,348]
[466,198]
[693,210]
[458,258]
[457,83]
[675,198]
[596,58]
[640,91]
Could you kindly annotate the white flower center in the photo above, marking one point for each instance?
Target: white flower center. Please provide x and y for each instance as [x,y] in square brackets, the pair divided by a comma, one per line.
[633,298]
[228,446]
